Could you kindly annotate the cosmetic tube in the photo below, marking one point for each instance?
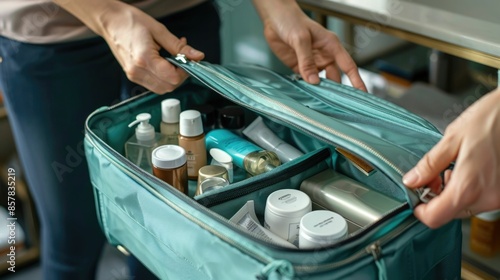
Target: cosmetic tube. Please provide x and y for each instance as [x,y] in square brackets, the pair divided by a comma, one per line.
[246,218]
[259,133]
[245,154]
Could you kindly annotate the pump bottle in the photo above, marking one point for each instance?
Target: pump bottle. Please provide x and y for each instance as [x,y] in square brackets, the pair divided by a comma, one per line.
[139,147]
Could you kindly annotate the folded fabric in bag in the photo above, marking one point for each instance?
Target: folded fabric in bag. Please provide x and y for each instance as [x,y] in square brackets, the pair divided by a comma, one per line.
[335,126]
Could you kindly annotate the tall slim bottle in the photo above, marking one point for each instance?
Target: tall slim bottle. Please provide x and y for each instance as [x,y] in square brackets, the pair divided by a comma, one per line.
[169,127]
[192,139]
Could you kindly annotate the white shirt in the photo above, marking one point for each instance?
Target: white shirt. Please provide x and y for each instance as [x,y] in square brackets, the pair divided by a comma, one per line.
[43,22]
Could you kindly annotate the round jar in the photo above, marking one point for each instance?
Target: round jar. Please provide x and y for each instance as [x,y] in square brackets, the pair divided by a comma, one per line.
[284,209]
[210,171]
[321,228]
[169,165]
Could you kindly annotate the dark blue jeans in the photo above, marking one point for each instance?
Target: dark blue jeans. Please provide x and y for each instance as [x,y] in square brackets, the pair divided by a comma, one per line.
[49,91]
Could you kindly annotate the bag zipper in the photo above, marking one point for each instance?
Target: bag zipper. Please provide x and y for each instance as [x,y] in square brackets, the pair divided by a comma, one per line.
[423,194]
[294,80]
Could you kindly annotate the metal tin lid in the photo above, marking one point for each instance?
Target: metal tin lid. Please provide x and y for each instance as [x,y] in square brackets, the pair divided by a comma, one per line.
[168,156]
[212,183]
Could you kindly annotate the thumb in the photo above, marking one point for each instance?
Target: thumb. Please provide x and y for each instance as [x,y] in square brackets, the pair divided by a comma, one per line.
[433,163]
[174,45]
[305,58]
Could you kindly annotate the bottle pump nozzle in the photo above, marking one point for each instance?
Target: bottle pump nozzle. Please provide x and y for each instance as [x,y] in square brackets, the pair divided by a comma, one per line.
[144,131]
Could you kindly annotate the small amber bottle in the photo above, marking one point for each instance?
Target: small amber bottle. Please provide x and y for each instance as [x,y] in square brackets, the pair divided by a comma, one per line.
[169,165]
[485,233]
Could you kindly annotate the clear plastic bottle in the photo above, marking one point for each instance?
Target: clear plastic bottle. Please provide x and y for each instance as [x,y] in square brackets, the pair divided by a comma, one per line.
[169,127]
[192,139]
[139,147]
[245,154]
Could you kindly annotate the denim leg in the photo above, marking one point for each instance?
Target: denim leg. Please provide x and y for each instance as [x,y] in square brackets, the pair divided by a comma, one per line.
[49,91]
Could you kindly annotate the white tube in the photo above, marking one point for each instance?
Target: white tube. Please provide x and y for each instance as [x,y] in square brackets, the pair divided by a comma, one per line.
[246,218]
[259,133]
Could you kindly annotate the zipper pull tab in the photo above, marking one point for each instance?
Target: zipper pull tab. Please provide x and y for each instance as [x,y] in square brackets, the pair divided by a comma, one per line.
[181,57]
[376,252]
[295,77]
[425,194]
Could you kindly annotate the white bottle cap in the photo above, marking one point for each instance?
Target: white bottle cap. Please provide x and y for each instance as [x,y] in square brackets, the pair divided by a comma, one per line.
[168,156]
[170,110]
[190,123]
[144,131]
[320,228]
[289,203]
[489,216]
[219,157]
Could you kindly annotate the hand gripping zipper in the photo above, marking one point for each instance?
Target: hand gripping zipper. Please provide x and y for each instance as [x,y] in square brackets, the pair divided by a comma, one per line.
[423,194]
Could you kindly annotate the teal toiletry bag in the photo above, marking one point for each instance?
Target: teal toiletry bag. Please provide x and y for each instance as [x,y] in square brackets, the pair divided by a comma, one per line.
[185,237]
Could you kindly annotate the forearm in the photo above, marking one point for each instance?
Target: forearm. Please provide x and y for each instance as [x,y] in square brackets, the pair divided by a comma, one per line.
[90,12]
[266,8]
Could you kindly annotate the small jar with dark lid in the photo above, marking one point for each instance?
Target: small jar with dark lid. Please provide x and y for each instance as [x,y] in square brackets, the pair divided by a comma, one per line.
[232,118]
[169,165]
[208,116]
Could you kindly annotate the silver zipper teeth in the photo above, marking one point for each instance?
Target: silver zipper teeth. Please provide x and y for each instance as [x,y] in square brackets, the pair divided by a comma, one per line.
[180,210]
[317,124]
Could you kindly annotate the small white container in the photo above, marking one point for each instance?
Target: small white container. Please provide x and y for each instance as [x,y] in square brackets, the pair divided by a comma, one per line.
[321,228]
[284,209]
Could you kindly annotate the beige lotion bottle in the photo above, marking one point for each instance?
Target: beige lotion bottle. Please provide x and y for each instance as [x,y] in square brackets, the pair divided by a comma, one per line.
[169,126]
[192,139]
[139,147]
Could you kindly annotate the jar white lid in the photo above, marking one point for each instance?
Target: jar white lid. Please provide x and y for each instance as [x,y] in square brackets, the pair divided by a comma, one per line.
[168,156]
[323,226]
[489,216]
[190,123]
[289,203]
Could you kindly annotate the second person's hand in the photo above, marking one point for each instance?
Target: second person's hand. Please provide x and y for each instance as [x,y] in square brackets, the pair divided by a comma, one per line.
[472,141]
[304,45]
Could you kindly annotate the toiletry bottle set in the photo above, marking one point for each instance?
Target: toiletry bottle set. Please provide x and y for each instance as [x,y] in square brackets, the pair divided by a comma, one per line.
[186,139]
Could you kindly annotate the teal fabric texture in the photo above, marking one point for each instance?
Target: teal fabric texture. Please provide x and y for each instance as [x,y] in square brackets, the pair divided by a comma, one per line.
[190,237]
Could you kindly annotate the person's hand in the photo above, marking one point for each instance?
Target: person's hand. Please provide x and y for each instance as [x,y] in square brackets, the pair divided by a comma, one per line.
[304,45]
[135,39]
[473,142]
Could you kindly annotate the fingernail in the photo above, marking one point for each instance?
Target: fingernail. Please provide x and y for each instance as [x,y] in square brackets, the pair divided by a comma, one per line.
[195,52]
[410,178]
[313,79]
